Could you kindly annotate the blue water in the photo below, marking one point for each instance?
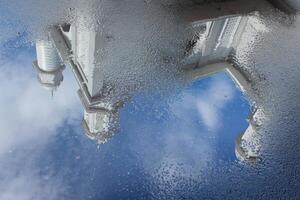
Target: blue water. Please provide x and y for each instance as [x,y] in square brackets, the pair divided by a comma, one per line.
[152,140]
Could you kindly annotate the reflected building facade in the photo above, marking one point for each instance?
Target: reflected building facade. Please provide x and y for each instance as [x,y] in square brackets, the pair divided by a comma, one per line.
[214,51]
[76,47]
[101,110]
[216,40]
[210,51]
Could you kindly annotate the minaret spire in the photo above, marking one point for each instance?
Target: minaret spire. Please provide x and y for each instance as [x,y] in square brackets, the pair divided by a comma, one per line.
[52,92]
[48,65]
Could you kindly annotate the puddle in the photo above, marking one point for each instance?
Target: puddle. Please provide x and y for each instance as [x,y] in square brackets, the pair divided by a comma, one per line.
[149,99]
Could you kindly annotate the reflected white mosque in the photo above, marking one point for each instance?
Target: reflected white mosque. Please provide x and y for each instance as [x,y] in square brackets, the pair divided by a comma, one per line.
[219,33]
[67,45]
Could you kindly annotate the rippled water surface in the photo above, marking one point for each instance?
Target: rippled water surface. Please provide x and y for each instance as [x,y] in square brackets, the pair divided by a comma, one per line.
[149,99]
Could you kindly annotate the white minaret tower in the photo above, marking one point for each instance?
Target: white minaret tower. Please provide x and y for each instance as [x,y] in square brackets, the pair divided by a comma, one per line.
[77,46]
[48,65]
[248,144]
[100,125]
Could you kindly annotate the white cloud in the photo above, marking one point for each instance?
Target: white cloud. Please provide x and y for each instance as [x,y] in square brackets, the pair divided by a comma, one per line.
[27,111]
[213,101]
[185,149]
[29,119]
[28,186]
[209,102]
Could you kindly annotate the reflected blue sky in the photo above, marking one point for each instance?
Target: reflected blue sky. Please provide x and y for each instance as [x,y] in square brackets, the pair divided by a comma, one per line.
[165,141]
[178,145]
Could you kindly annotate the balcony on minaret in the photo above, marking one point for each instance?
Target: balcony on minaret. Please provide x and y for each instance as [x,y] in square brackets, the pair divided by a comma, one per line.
[100,125]
[48,65]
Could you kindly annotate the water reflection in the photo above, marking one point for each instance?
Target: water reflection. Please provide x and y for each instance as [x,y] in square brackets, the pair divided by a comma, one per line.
[211,51]
[101,110]
[48,65]
[171,145]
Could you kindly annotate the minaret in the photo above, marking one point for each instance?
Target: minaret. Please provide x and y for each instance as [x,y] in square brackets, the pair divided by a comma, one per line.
[100,125]
[101,113]
[248,144]
[85,45]
[77,46]
[48,65]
